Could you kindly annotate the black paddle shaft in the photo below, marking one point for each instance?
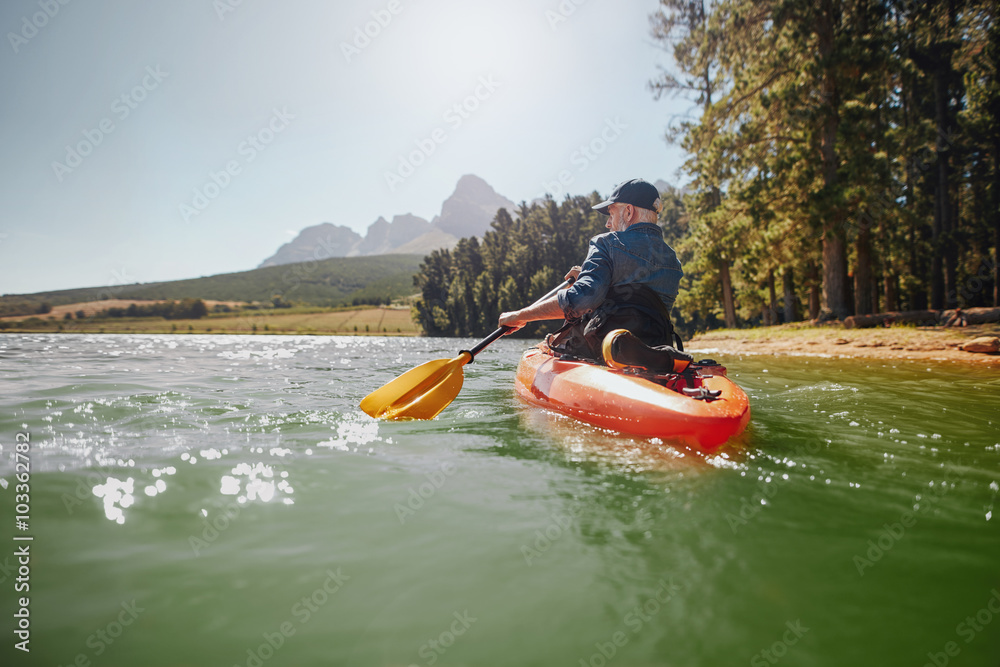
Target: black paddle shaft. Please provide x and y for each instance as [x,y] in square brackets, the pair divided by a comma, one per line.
[502,331]
[499,333]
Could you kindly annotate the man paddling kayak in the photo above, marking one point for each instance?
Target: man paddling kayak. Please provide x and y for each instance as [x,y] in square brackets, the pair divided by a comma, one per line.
[626,286]
[628,281]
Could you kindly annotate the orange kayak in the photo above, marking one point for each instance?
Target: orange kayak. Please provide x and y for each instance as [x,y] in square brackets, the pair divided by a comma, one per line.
[700,407]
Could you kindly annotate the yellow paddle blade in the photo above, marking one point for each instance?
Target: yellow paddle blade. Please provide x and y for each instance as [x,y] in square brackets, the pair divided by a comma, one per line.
[420,393]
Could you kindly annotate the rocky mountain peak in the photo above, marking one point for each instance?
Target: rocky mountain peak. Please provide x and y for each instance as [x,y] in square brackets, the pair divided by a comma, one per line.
[467,212]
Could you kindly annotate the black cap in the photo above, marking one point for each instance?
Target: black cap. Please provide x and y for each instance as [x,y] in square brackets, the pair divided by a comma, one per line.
[637,192]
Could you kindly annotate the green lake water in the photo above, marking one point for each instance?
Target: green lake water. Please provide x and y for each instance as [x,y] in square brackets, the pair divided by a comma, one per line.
[221,500]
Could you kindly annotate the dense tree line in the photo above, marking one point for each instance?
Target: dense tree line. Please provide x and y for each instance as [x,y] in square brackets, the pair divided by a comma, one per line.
[186,309]
[19,307]
[846,148]
[464,290]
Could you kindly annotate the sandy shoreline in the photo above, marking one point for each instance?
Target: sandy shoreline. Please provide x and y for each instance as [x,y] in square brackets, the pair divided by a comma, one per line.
[833,340]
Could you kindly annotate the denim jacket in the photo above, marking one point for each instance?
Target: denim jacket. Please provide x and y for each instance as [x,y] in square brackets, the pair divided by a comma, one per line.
[636,255]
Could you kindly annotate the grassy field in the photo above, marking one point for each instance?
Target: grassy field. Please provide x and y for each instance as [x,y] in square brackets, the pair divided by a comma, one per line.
[328,283]
[360,321]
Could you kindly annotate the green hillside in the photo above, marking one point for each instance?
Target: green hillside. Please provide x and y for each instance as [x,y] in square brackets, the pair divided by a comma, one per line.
[330,282]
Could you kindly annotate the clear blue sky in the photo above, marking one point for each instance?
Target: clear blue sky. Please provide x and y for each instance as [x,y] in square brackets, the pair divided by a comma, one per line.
[154,97]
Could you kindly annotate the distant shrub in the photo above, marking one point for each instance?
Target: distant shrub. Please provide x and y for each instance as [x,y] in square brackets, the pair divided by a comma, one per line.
[371,301]
[187,309]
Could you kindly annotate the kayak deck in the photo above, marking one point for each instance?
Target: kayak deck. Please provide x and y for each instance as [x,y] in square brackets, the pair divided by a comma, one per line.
[700,407]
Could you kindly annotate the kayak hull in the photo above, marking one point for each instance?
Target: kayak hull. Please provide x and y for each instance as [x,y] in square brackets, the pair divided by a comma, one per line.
[636,405]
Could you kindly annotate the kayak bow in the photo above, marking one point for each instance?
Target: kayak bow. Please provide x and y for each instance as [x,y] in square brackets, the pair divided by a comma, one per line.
[700,407]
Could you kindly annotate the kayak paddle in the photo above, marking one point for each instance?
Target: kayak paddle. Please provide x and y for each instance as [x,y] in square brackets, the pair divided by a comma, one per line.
[423,392]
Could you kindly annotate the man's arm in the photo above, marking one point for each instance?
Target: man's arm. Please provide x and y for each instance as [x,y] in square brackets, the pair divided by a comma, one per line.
[545,310]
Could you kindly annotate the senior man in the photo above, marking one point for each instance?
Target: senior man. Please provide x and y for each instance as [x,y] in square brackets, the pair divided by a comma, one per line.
[628,281]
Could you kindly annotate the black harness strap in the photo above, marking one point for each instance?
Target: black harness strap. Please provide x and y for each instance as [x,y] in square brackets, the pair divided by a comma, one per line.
[635,307]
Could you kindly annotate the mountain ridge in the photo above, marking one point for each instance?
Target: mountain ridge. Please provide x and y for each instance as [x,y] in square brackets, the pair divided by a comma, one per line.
[468,211]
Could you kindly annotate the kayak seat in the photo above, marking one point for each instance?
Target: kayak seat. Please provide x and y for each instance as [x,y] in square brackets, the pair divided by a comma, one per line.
[624,351]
